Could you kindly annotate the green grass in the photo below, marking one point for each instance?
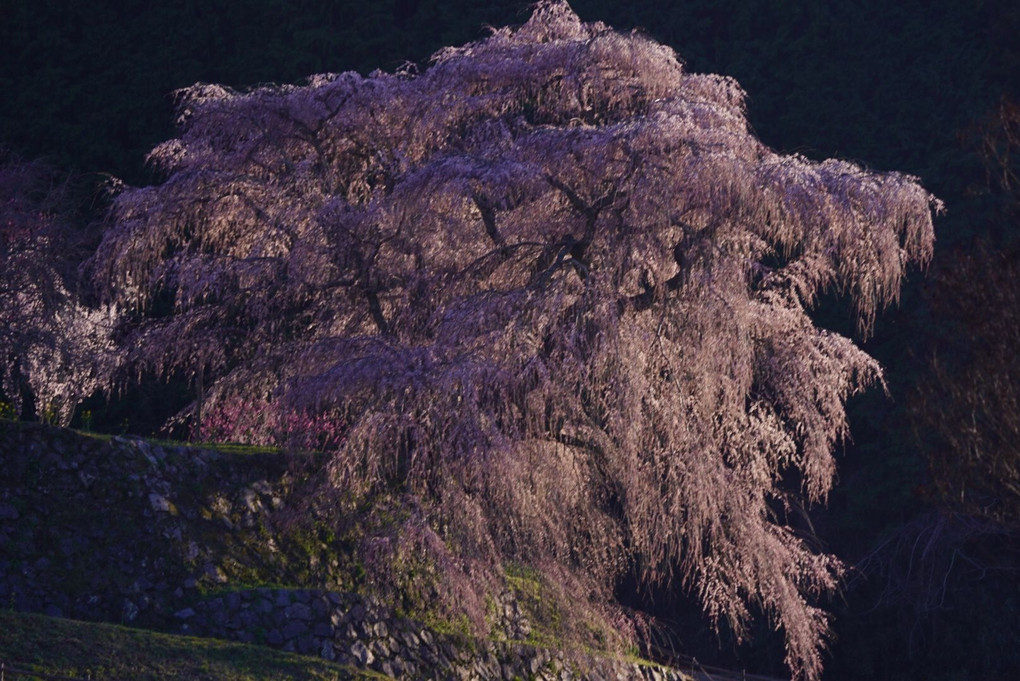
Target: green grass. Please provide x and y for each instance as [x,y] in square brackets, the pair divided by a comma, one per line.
[222,447]
[104,652]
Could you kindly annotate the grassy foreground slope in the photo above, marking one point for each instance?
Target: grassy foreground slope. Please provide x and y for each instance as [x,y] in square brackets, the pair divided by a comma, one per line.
[106,652]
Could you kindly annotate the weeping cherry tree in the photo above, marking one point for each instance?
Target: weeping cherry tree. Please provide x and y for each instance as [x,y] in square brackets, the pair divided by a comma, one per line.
[555,291]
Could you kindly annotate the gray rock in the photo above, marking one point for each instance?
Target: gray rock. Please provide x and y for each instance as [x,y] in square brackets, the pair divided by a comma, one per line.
[251,501]
[214,573]
[219,617]
[362,654]
[130,611]
[357,613]
[380,647]
[293,629]
[298,611]
[307,645]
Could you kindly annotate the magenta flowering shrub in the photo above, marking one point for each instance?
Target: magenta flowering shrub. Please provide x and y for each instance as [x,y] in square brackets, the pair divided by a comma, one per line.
[259,422]
[558,294]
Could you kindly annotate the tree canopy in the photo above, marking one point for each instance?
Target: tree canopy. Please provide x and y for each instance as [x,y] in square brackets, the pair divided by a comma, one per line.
[555,291]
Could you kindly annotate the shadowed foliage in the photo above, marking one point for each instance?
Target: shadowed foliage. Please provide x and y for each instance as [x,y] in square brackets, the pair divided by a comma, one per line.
[557,293]
[52,348]
[967,406]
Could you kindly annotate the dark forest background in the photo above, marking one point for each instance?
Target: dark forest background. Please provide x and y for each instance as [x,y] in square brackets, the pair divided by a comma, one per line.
[924,87]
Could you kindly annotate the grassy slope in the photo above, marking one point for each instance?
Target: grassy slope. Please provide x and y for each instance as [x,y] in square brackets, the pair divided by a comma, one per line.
[105,652]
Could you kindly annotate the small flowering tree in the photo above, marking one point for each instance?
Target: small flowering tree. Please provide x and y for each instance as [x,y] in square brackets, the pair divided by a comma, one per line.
[50,344]
[258,422]
[557,291]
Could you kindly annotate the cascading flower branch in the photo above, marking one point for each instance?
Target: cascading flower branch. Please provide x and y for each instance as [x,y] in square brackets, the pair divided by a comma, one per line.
[557,291]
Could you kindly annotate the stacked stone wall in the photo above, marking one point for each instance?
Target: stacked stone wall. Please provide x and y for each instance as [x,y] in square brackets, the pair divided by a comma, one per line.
[127,531]
[356,630]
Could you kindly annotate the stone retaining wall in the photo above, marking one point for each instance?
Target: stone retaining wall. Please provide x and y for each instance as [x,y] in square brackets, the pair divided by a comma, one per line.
[126,531]
[355,630]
